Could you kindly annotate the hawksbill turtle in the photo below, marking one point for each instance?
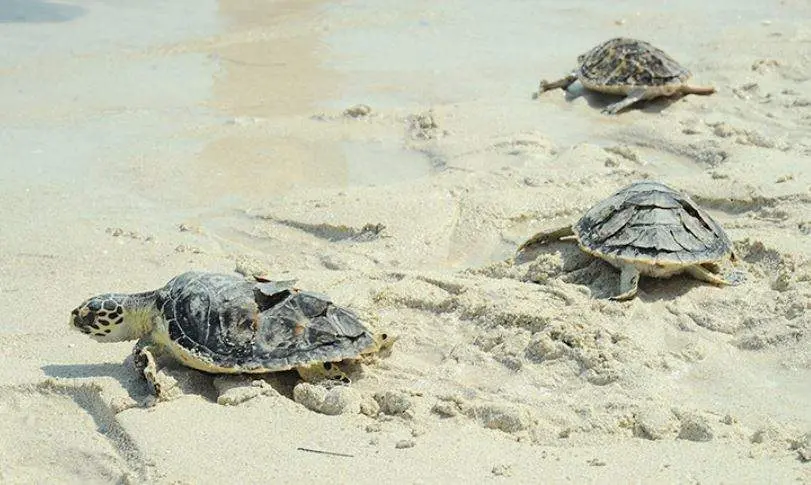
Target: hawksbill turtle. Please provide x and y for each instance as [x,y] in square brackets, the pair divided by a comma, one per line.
[649,229]
[227,324]
[629,67]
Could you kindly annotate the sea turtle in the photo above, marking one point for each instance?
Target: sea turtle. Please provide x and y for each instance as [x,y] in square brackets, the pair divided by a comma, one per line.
[227,324]
[648,228]
[629,67]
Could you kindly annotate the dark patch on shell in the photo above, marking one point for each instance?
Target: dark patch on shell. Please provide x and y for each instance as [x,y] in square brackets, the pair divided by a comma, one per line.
[227,321]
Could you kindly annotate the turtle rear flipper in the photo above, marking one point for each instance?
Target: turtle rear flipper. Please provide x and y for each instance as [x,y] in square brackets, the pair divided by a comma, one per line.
[545,237]
[699,272]
[699,90]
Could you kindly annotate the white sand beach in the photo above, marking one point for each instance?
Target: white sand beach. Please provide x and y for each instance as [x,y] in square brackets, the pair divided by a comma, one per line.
[143,139]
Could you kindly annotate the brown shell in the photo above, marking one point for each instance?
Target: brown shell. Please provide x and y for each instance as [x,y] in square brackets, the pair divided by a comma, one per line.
[652,223]
[623,63]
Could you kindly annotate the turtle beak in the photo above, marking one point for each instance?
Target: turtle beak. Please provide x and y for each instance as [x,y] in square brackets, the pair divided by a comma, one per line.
[80,319]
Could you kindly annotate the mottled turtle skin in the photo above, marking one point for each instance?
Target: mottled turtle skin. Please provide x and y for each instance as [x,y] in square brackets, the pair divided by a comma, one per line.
[647,228]
[226,324]
[629,67]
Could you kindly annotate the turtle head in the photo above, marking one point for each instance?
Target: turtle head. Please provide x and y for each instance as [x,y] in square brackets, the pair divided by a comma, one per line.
[382,344]
[111,318]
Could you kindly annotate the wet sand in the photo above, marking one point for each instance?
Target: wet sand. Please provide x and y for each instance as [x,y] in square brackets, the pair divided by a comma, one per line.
[145,140]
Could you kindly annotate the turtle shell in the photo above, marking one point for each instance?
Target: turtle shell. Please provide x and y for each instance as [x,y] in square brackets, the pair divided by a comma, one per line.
[226,323]
[651,223]
[621,63]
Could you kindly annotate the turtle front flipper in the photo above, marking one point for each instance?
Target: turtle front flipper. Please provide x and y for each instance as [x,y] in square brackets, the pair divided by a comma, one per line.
[322,372]
[629,283]
[163,386]
[545,237]
[146,365]
[633,96]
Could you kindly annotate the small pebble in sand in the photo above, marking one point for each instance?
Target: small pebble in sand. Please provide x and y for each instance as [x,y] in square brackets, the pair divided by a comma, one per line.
[624,151]
[694,428]
[746,91]
[724,130]
[765,65]
[393,402]
[188,248]
[770,432]
[446,409]
[504,417]
[502,470]
[338,400]
[424,126]
[783,281]
[655,422]
[234,390]
[249,266]
[357,111]
[532,182]
[187,227]
[121,403]
[369,407]
[803,447]
[402,444]
[118,232]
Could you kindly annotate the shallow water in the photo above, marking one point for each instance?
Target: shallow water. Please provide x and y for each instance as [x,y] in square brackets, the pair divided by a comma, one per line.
[92,98]
[217,106]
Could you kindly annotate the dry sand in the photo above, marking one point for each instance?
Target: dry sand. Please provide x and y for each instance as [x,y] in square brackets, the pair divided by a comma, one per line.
[142,140]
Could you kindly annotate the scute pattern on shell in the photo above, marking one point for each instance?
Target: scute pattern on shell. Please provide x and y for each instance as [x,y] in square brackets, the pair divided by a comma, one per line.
[230,322]
[650,222]
[629,62]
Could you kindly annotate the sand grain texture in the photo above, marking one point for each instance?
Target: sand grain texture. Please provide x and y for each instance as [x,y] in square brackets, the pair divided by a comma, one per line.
[142,141]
